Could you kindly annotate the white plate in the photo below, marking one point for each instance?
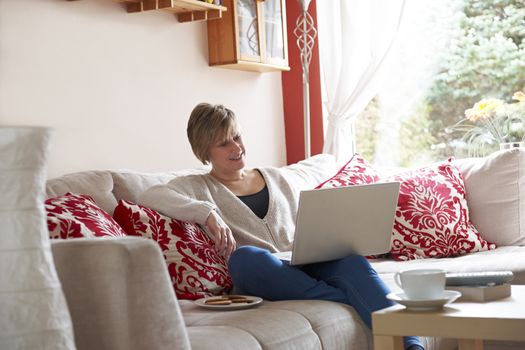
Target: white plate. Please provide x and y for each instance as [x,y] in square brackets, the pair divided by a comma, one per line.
[233,306]
[448,296]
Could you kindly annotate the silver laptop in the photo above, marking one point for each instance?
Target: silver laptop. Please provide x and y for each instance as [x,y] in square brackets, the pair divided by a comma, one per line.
[333,223]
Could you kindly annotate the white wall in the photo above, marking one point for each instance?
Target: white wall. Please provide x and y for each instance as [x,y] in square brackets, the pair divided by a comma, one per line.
[118,88]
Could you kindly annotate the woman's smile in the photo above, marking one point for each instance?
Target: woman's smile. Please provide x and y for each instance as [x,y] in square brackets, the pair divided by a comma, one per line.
[237,157]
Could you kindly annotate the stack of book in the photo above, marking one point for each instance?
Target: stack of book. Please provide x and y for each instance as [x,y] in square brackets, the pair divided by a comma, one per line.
[480,286]
[482,293]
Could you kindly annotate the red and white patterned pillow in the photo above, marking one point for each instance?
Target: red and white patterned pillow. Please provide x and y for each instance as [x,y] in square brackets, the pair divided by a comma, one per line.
[77,215]
[356,172]
[432,218]
[195,268]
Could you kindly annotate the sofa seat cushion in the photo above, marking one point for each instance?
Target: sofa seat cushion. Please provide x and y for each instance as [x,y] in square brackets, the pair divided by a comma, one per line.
[293,324]
[290,324]
[502,258]
[221,337]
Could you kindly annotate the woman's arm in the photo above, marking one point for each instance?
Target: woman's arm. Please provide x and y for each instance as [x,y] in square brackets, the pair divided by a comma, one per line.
[168,201]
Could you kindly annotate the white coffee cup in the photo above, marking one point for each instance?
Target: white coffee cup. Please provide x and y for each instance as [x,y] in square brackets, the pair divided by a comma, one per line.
[421,284]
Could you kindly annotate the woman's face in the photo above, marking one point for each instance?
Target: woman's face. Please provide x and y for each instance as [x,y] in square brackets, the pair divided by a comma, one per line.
[227,153]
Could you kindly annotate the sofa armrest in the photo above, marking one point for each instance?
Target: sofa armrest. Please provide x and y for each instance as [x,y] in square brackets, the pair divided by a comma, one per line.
[119,294]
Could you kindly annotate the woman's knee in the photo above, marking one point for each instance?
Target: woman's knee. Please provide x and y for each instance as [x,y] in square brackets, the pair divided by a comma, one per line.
[357,259]
[246,258]
[358,262]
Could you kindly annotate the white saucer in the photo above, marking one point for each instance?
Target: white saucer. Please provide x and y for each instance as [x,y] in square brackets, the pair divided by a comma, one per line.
[448,296]
[251,302]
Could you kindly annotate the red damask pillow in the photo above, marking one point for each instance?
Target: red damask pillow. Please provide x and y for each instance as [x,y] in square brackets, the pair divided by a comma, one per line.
[77,215]
[195,268]
[356,172]
[432,218]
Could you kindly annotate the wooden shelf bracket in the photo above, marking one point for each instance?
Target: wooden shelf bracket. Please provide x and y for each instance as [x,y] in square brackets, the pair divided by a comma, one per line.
[186,10]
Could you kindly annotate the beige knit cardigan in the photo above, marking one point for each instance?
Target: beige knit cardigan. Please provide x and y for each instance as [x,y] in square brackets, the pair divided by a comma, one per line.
[191,198]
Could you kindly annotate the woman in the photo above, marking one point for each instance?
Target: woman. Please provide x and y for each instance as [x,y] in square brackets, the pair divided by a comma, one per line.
[255,209]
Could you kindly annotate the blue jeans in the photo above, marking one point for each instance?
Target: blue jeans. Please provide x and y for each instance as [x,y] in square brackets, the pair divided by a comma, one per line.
[351,280]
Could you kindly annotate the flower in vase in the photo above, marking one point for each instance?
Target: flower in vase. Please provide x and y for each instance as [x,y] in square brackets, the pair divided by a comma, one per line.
[483,109]
[493,121]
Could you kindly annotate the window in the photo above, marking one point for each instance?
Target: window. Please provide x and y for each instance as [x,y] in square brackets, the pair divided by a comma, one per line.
[448,55]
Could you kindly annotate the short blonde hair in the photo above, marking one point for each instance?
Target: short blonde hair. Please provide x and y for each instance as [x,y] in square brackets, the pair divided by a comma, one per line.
[209,124]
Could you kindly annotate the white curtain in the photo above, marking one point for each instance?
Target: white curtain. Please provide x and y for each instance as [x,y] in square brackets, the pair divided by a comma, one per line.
[355,39]
[428,31]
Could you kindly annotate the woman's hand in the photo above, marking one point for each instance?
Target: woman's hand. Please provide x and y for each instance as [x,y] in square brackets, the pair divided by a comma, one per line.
[224,241]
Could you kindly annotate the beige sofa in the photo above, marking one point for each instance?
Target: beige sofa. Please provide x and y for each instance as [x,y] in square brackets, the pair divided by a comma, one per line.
[120,297]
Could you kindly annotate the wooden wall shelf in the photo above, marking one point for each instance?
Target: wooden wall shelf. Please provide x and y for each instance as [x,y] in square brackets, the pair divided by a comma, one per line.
[186,10]
[251,36]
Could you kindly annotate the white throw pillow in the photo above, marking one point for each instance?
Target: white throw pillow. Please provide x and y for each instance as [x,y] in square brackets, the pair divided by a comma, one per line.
[33,309]
[495,188]
[310,172]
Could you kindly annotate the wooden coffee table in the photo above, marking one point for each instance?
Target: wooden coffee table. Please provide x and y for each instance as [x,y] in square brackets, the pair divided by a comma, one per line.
[469,322]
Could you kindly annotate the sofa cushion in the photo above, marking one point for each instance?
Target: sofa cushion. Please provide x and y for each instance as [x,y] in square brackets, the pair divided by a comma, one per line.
[221,337]
[196,269]
[97,184]
[289,324]
[128,184]
[509,258]
[77,215]
[293,324]
[496,195]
